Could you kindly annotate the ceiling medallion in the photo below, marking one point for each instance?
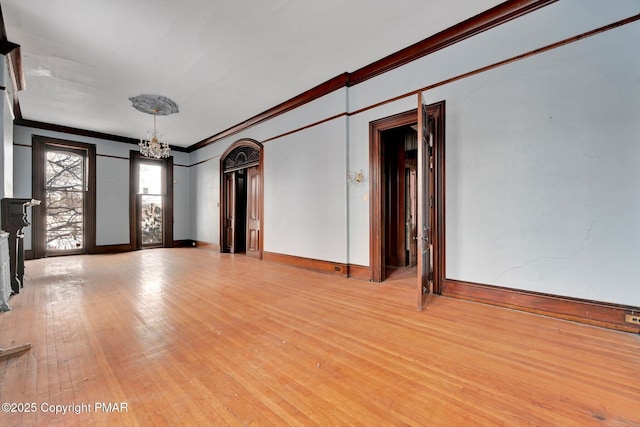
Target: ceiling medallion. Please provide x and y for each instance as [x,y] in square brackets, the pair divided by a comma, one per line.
[154,105]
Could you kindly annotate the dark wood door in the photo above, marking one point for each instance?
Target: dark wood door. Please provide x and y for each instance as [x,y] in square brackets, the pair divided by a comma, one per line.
[425,191]
[254,214]
[411,213]
[229,211]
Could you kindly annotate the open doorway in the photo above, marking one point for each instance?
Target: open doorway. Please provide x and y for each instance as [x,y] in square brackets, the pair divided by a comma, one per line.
[400,147]
[396,169]
[235,211]
[241,199]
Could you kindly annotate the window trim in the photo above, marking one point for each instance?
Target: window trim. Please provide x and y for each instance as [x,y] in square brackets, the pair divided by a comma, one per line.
[40,146]
[135,158]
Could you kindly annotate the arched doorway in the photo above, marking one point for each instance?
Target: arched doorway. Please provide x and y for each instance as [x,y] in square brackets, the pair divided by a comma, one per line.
[241,199]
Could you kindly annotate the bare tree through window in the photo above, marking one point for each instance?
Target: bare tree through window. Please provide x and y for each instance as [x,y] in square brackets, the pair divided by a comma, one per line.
[65,190]
[150,193]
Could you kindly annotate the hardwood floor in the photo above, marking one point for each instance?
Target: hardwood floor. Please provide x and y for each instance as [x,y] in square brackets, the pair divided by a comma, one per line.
[192,337]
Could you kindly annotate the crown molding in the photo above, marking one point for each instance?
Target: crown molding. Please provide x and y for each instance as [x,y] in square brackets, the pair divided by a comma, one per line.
[484,21]
[84,132]
[316,92]
[504,12]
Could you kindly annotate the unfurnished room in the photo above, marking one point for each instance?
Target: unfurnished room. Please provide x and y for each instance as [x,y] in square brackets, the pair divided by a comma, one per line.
[320,212]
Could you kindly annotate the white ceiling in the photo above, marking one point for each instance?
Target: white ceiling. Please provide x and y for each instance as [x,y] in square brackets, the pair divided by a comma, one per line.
[221,61]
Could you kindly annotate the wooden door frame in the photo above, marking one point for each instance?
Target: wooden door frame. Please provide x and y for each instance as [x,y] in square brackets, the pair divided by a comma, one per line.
[40,145]
[245,142]
[167,200]
[376,190]
[249,180]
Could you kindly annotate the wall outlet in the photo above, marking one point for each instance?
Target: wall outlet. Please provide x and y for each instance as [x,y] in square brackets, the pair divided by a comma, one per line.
[632,318]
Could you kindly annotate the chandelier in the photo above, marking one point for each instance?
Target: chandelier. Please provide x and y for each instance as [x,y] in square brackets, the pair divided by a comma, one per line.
[152,146]
[155,105]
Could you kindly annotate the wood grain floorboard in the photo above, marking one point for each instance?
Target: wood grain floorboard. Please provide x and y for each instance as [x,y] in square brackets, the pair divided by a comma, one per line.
[192,337]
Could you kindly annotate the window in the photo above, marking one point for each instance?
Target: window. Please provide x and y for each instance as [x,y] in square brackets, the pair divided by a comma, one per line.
[63,179]
[65,185]
[150,195]
[151,202]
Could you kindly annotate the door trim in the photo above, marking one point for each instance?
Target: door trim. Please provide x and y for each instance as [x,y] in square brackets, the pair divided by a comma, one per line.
[376,189]
[245,142]
[39,230]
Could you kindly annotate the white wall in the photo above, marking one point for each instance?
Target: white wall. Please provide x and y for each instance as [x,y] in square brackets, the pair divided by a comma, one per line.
[181,199]
[558,21]
[478,249]
[205,200]
[543,183]
[112,201]
[22,184]
[304,182]
[358,196]
[305,193]
[6,132]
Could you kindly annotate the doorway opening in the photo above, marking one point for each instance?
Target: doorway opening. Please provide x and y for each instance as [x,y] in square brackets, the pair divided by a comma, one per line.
[399,168]
[241,198]
[235,212]
[400,148]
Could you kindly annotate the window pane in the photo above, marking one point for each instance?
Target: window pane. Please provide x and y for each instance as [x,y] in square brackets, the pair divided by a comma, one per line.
[151,219]
[64,185]
[64,216]
[150,179]
[64,171]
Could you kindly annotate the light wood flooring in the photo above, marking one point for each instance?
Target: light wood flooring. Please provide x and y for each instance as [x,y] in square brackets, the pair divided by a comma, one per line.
[193,337]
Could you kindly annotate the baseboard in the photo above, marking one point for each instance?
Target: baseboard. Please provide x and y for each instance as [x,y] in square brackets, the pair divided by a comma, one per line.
[595,313]
[184,243]
[206,245]
[126,247]
[359,272]
[112,249]
[336,268]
